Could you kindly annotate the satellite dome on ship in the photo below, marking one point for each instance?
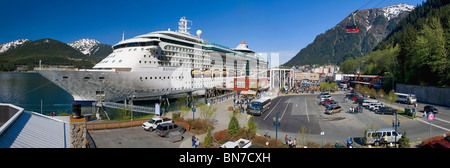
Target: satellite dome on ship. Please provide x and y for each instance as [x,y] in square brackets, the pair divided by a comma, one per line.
[243,48]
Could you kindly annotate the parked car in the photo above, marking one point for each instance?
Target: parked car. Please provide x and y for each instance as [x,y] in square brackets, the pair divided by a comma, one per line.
[375,137]
[359,100]
[386,110]
[151,124]
[322,94]
[164,129]
[443,143]
[430,109]
[374,106]
[327,101]
[333,109]
[366,103]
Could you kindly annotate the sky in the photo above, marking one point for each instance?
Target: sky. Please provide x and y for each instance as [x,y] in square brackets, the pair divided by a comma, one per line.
[277,26]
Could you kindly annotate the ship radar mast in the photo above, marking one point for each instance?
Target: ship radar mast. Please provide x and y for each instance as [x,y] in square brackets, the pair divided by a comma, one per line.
[183,28]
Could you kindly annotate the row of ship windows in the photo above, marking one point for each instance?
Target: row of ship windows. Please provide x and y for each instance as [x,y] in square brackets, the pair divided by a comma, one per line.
[171,48]
[179,77]
[168,89]
[106,61]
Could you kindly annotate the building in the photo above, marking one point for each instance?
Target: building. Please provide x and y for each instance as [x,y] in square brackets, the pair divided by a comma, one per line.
[25,129]
[306,76]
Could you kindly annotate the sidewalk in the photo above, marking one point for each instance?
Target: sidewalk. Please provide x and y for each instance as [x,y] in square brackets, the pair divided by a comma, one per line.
[223,118]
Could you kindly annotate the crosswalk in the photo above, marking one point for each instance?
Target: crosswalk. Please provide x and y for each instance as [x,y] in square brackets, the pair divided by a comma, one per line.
[437,122]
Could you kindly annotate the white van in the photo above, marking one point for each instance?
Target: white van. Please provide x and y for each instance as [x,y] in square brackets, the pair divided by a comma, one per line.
[366,103]
[406,98]
[375,137]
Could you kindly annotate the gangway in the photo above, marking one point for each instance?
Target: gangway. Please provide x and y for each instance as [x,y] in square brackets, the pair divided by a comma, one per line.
[141,109]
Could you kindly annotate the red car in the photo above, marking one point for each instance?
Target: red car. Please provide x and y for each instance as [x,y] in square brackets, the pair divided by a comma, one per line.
[444,143]
[326,101]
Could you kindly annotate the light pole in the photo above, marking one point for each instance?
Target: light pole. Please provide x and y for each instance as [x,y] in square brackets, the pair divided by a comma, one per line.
[276,123]
[396,124]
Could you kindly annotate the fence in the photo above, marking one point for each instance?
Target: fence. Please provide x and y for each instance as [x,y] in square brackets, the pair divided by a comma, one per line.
[427,94]
[112,125]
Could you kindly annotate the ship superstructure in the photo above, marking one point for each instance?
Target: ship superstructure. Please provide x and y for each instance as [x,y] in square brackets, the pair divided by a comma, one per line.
[161,63]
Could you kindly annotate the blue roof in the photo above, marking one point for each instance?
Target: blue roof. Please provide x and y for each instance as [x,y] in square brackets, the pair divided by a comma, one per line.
[33,130]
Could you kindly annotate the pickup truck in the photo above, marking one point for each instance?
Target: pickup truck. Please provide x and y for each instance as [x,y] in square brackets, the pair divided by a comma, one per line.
[151,124]
[386,110]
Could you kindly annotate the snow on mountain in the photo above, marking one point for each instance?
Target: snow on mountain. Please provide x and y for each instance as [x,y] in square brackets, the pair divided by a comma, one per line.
[85,46]
[11,45]
[394,10]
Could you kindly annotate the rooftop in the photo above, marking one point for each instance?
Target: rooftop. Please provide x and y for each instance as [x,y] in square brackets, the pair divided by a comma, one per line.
[25,129]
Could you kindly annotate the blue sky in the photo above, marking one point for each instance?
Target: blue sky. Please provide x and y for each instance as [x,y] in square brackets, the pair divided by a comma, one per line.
[266,26]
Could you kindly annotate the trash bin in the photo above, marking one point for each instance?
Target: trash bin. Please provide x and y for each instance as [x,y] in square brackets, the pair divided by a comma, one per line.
[408,111]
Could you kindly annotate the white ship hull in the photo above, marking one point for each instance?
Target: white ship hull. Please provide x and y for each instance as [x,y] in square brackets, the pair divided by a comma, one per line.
[86,85]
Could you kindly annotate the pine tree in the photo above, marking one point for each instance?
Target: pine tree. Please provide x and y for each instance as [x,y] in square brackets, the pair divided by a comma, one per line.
[404,141]
[251,128]
[208,139]
[233,126]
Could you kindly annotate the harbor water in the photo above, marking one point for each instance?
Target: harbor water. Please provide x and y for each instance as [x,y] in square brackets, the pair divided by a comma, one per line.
[27,90]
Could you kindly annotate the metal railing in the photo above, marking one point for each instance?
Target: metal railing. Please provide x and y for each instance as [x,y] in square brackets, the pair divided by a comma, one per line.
[142,109]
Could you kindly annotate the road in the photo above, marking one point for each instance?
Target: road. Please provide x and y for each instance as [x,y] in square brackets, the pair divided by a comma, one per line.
[297,111]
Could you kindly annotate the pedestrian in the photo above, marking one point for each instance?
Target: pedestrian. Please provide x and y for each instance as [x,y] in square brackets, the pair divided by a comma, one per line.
[294,144]
[286,139]
[193,141]
[197,142]
[290,142]
[349,143]
[336,145]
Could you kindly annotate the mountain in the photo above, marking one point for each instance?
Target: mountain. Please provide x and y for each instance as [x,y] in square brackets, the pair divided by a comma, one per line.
[51,52]
[91,47]
[415,52]
[335,46]
[11,45]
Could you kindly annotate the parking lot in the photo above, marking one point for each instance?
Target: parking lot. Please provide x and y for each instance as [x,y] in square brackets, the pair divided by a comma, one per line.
[297,111]
[133,137]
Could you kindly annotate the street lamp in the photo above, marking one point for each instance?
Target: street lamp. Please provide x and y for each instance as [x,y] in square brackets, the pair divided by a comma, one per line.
[396,124]
[276,123]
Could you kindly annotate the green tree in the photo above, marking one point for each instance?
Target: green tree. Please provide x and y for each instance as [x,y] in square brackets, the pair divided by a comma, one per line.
[208,113]
[233,126]
[209,139]
[391,96]
[251,128]
[404,141]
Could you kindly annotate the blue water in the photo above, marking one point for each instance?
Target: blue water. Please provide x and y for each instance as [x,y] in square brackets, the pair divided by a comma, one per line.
[28,89]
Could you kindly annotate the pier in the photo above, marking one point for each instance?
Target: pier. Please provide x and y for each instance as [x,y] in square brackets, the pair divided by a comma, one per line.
[141,109]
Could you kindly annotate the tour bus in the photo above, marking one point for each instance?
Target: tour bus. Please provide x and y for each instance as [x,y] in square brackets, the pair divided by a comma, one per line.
[259,106]
[406,98]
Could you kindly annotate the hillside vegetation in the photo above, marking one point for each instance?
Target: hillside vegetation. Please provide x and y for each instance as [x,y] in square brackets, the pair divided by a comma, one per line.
[51,52]
[416,51]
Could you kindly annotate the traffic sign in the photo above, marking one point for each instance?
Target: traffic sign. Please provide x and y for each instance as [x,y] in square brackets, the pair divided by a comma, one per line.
[430,116]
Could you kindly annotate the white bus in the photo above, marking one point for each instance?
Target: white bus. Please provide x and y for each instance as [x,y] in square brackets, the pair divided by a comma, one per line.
[259,106]
[406,98]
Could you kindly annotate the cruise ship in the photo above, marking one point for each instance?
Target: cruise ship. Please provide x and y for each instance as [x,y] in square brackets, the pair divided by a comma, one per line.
[162,63]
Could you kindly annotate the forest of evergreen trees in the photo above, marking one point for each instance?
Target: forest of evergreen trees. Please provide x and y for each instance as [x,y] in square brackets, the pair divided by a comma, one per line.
[416,51]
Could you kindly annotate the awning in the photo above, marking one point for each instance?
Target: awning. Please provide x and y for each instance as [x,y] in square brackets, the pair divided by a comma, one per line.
[248,92]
